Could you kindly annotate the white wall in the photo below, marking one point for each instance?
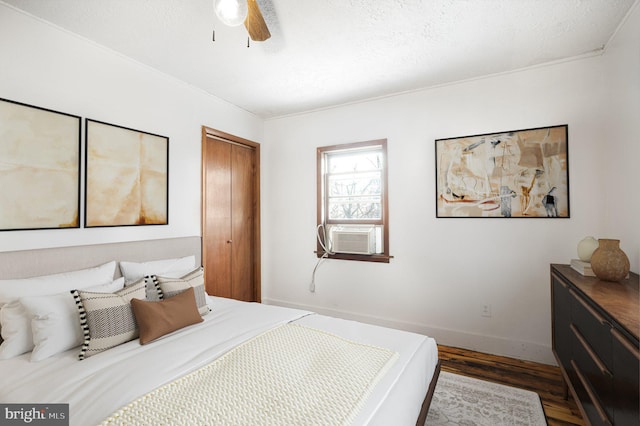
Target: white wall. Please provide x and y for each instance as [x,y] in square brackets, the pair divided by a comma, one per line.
[48,67]
[622,138]
[444,270]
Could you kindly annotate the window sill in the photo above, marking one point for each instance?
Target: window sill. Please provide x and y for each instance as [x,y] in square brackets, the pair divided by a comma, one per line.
[379,258]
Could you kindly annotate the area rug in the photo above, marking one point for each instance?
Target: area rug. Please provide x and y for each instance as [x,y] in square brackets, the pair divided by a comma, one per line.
[460,400]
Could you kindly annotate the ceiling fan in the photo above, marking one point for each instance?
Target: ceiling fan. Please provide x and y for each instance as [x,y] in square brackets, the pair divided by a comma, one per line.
[236,12]
[254,23]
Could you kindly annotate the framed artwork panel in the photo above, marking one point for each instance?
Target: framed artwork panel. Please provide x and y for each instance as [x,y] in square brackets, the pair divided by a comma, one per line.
[127,176]
[39,168]
[513,174]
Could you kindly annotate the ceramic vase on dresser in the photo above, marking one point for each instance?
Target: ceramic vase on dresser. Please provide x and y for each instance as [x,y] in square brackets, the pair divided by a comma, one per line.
[586,247]
[609,262]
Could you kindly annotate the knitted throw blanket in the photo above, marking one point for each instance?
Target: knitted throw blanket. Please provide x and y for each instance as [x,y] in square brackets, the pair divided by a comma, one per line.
[290,375]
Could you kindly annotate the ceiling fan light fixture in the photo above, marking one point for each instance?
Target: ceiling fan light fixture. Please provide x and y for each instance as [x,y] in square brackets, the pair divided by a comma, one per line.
[231,12]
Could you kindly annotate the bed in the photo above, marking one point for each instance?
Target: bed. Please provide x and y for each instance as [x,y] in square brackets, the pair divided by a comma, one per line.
[130,376]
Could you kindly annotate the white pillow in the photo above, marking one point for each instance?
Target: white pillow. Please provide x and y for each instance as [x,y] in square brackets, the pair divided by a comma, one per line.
[15,322]
[56,324]
[172,268]
[16,330]
[51,284]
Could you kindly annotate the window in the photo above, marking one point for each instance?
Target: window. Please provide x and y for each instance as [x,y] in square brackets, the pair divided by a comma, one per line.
[353,214]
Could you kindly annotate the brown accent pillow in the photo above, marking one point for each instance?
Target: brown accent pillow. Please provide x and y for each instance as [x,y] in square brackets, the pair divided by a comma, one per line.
[155,319]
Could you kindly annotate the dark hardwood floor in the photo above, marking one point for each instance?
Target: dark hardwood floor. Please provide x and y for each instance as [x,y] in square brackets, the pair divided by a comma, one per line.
[543,379]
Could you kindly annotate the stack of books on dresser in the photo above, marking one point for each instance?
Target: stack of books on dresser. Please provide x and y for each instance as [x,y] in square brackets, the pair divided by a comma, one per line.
[582,267]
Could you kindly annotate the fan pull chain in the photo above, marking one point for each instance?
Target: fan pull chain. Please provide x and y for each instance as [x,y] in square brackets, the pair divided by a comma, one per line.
[213,38]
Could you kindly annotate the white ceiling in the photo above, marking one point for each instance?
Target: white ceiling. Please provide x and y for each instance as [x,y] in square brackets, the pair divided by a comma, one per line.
[329,52]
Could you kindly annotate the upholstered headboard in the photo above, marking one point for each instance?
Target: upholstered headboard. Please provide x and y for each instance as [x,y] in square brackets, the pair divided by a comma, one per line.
[31,263]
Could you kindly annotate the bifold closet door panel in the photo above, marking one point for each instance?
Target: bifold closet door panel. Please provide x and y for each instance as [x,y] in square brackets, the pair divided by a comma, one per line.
[242,222]
[217,217]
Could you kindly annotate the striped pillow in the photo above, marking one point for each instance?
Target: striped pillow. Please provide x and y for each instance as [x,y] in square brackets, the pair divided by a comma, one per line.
[172,286]
[107,319]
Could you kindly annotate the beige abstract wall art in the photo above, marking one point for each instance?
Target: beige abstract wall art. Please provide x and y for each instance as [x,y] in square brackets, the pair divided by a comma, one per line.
[39,168]
[126,176]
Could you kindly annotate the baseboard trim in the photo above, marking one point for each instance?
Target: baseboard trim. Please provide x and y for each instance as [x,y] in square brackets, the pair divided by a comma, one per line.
[527,351]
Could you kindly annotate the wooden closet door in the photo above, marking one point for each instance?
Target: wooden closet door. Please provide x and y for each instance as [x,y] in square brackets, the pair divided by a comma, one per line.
[242,198]
[230,218]
[217,217]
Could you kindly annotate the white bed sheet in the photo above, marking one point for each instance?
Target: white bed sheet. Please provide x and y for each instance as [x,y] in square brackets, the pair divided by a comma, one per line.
[100,385]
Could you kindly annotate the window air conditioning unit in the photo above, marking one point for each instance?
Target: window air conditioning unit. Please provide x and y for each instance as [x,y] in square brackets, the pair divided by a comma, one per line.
[353,240]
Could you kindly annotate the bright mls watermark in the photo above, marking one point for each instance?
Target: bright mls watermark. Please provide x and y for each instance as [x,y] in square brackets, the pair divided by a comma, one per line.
[34,414]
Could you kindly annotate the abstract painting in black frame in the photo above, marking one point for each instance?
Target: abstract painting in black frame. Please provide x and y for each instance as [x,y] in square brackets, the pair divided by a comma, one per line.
[39,168]
[127,176]
[512,174]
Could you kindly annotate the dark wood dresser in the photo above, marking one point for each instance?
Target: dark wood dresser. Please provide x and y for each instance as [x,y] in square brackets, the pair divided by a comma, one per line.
[595,329]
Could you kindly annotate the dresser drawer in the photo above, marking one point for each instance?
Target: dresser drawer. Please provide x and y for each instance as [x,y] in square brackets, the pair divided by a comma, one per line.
[589,400]
[626,369]
[561,300]
[593,375]
[593,327]
[560,297]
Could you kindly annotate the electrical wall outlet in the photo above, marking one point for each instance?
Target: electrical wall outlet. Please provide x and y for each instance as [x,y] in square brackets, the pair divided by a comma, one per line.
[486,310]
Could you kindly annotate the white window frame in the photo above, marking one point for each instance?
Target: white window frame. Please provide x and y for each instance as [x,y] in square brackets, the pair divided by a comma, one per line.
[323,248]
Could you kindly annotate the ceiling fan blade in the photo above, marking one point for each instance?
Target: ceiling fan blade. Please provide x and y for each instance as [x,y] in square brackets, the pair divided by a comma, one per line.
[255,24]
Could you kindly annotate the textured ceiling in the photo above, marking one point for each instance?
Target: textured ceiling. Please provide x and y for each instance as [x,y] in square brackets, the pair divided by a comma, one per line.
[329,52]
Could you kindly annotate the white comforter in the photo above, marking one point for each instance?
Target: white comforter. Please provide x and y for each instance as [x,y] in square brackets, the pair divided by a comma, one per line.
[100,385]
